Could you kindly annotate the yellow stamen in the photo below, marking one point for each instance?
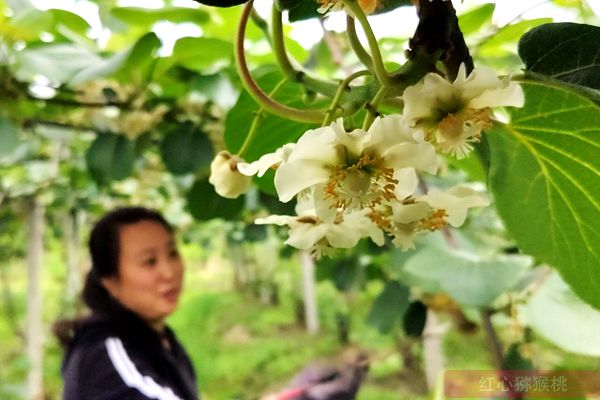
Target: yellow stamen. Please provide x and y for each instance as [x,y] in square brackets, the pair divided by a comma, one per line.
[434,222]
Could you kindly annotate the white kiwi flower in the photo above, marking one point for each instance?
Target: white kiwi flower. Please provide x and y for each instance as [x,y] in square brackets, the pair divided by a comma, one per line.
[453,114]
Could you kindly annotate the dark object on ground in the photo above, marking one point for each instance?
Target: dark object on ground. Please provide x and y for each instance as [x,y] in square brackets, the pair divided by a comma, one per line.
[332,382]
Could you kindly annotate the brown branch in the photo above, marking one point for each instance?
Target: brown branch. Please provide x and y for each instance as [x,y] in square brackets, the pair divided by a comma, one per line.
[438,29]
[31,123]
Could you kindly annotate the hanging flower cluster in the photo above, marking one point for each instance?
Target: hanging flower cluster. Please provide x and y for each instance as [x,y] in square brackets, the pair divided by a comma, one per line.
[365,183]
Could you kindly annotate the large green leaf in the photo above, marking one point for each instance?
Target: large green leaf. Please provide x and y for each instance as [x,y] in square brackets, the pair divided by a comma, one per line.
[389,307]
[566,51]
[471,21]
[557,314]
[57,62]
[148,16]
[186,149]
[68,19]
[505,40]
[545,175]
[110,157]
[29,23]
[273,132]
[414,319]
[204,203]
[470,280]
[201,54]
[143,50]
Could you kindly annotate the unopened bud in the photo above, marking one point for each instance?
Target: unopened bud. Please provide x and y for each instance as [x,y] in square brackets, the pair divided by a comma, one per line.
[226,178]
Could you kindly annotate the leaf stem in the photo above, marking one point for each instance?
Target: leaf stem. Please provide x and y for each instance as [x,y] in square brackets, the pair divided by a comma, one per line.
[342,88]
[380,72]
[256,121]
[281,110]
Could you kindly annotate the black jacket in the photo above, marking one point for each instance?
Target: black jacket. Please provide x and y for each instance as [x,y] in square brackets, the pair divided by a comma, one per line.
[121,358]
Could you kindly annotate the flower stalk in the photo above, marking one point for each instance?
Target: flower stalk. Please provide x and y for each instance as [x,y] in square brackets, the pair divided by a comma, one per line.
[379,68]
[372,107]
[256,122]
[342,88]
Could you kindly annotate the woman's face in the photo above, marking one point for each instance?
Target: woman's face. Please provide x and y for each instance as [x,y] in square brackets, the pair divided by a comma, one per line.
[150,271]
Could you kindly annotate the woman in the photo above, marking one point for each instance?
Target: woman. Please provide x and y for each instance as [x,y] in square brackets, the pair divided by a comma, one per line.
[124,350]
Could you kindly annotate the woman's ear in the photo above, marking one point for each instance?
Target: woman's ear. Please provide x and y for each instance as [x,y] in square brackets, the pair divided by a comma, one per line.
[111,285]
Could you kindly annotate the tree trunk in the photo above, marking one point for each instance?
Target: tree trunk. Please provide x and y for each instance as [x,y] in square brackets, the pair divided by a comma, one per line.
[71,243]
[309,293]
[433,353]
[34,333]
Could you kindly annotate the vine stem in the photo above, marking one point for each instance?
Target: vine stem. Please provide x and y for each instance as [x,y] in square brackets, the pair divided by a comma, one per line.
[344,85]
[372,107]
[380,72]
[497,351]
[255,122]
[324,87]
[256,92]
[356,45]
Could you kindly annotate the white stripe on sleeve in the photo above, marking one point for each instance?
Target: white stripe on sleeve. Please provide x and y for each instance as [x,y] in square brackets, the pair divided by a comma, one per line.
[130,374]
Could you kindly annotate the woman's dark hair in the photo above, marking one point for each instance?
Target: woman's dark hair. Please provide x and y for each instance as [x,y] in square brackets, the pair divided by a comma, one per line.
[104,250]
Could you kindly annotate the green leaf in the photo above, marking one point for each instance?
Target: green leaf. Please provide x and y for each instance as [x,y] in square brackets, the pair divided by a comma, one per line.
[204,55]
[389,306]
[29,23]
[221,3]
[304,11]
[471,21]
[273,132]
[514,361]
[283,5]
[204,203]
[217,88]
[149,16]
[133,57]
[557,314]
[346,273]
[70,20]
[545,176]
[468,279]
[9,139]
[186,149]
[390,5]
[414,319]
[57,62]
[565,51]
[110,157]
[504,41]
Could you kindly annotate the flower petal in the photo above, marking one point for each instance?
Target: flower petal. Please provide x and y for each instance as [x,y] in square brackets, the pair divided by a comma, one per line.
[305,235]
[420,156]
[408,213]
[508,96]
[292,177]
[275,220]
[407,182]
